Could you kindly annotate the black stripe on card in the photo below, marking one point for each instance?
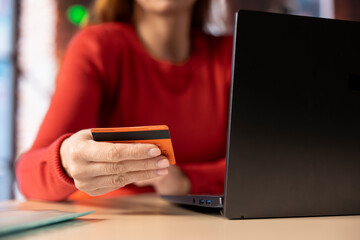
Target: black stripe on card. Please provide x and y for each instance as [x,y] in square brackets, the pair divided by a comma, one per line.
[128,136]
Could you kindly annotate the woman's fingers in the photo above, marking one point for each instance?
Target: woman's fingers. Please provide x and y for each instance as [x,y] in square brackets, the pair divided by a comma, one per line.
[115,152]
[119,180]
[100,169]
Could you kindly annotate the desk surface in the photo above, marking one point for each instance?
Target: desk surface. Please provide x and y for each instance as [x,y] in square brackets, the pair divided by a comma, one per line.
[149,217]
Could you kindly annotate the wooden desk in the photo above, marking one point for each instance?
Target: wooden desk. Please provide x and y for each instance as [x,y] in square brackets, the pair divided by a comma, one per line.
[149,217]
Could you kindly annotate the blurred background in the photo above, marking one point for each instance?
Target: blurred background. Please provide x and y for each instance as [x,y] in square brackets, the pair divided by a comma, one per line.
[33,38]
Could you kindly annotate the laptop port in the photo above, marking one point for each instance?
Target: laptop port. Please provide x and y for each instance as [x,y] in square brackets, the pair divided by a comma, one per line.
[208,202]
[201,201]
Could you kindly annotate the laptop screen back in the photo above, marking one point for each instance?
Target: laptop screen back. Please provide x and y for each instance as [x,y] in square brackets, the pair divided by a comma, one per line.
[294,128]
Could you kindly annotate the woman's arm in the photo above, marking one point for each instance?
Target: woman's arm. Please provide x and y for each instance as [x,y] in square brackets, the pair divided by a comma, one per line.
[79,102]
[74,106]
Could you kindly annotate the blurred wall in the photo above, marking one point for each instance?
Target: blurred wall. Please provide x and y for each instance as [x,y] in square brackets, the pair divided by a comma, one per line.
[347,9]
[37,67]
[65,30]
[7,94]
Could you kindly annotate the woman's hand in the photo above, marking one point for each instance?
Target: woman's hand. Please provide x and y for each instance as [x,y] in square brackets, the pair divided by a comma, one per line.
[175,183]
[101,167]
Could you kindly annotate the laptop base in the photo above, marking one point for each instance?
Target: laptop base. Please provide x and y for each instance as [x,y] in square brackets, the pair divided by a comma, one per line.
[196,200]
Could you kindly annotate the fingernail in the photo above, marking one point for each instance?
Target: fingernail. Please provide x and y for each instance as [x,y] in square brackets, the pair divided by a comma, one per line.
[162,172]
[154,152]
[163,163]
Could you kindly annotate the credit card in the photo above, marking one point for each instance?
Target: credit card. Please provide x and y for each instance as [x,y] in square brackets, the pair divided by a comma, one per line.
[158,135]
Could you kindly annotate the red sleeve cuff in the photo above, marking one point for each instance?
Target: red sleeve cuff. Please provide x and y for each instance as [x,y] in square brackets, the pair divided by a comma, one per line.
[40,174]
[56,167]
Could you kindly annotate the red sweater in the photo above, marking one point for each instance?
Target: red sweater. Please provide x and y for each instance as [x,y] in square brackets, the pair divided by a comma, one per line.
[108,79]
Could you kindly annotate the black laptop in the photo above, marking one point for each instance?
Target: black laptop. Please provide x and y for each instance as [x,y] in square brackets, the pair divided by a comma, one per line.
[293,146]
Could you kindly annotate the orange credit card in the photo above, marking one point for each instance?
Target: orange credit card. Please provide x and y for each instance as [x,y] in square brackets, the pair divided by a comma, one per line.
[158,135]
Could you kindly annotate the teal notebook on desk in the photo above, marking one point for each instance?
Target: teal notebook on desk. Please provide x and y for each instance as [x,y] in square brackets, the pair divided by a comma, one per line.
[12,221]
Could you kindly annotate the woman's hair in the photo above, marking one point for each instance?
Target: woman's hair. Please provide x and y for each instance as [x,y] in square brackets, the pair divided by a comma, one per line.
[122,10]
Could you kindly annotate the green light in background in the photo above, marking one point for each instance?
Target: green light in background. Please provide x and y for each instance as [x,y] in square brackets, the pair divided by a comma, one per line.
[77,14]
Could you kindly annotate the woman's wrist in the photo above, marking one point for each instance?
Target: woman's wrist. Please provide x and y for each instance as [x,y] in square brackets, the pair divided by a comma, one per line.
[63,151]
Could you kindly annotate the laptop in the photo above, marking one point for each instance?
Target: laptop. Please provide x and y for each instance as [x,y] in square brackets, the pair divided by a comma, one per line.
[293,146]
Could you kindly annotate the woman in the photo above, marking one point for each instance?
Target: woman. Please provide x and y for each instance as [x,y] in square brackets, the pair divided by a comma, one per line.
[146,63]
